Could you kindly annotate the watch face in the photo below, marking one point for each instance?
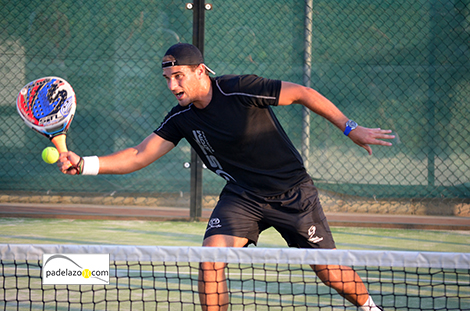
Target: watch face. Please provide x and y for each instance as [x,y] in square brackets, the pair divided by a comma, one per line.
[351,124]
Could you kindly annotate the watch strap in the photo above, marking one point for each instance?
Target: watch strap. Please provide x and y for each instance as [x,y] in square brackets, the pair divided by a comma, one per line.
[350,125]
[347,130]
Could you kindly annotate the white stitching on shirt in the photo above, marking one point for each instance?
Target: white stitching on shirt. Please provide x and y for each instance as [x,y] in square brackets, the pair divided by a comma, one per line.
[242,94]
[189,108]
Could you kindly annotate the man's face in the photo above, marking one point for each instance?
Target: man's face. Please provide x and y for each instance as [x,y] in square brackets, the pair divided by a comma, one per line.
[184,83]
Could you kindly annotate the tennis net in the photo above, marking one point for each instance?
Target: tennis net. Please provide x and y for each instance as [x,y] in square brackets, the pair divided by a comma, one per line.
[166,278]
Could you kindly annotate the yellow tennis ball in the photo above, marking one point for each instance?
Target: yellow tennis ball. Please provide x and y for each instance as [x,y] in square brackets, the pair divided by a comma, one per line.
[50,155]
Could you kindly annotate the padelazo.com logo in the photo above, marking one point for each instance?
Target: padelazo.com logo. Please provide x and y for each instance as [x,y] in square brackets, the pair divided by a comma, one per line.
[75,269]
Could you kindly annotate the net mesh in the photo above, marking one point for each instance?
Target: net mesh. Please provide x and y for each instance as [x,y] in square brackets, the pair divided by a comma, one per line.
[166,278]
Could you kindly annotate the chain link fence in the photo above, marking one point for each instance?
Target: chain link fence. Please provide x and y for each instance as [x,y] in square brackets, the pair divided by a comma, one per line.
[402,65]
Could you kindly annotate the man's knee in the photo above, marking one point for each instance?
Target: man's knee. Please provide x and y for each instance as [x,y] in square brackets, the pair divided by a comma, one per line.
[212,266]
[221,240]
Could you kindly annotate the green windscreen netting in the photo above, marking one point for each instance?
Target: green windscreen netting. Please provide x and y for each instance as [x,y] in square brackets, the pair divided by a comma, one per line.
[401,65]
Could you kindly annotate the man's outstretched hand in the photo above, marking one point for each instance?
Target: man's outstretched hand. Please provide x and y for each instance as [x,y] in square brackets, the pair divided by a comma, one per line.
[365,137]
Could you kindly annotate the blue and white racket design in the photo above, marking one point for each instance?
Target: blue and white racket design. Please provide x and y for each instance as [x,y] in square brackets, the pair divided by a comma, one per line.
[47,105]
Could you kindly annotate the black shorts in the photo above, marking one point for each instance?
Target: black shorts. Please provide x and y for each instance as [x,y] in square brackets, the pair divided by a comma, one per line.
[297,215]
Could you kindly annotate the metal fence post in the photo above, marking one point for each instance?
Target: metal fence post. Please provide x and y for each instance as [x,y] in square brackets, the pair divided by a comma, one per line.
[431,102]
[195,204]
[306,81]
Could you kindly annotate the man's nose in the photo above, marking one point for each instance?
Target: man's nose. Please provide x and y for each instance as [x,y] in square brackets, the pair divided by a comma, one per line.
[171,84]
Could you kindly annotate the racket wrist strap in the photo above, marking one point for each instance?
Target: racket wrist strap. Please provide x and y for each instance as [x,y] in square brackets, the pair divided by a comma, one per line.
[91,165]
[79,166]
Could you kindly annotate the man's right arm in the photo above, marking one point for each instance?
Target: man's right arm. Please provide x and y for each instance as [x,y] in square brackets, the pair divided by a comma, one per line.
[125,161]
[308,97]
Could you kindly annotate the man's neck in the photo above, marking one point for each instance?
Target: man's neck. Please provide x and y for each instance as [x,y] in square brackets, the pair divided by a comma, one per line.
[205,95]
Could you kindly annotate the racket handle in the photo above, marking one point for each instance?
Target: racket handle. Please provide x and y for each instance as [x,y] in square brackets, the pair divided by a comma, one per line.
[59,143]
[61,146]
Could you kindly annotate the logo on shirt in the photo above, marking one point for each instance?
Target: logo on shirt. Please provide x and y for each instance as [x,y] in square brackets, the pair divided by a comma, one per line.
[201,139]
[213,223]
[311,233]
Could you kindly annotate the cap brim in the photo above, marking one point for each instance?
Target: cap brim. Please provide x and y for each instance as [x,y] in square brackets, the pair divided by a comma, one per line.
[210,70]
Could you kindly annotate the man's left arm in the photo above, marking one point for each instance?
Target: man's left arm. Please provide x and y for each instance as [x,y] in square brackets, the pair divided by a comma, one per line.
[294,93]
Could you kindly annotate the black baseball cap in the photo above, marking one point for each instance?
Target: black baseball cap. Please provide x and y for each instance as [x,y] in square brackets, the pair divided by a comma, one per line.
[185,54]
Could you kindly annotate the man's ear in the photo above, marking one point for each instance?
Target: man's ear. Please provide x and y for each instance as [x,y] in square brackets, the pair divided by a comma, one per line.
[201,70]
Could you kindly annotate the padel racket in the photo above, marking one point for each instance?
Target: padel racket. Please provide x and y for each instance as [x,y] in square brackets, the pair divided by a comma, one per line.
[47,105]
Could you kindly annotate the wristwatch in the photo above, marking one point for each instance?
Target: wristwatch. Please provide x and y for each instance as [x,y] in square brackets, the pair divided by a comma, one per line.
[350,125]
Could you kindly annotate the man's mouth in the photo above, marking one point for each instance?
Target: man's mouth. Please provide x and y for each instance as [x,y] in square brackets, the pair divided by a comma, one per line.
[179,95]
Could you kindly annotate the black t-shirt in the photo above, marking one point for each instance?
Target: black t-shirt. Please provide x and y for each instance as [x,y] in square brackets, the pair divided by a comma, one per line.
[238,136]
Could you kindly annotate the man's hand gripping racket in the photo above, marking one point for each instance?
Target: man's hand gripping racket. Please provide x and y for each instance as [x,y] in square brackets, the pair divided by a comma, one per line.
[47,105]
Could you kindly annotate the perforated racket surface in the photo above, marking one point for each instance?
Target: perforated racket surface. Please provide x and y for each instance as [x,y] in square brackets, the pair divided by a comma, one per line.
[47,105]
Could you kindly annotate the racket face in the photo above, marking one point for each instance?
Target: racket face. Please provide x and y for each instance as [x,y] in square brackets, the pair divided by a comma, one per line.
[47,105]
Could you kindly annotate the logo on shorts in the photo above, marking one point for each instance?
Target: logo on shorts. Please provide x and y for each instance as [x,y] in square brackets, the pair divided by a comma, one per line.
[312,237]
[214,223]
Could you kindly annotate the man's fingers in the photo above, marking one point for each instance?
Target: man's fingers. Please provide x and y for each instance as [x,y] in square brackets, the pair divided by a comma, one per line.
[65,165]
[365,137]
[378,134]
